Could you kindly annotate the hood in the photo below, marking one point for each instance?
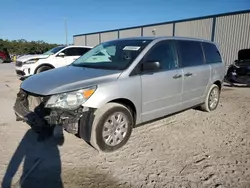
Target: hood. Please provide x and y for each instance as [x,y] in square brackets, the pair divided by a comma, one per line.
[29,57]
[68,78]
[244,54]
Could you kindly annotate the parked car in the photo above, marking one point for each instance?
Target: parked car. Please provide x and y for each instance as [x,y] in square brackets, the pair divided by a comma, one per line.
[4,56]
[139,80]
[59,56]
[239,71]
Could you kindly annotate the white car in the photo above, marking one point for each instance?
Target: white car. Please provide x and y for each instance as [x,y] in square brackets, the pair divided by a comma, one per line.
[59,56]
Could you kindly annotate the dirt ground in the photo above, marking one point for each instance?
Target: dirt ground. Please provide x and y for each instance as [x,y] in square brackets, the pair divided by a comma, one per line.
[190,149]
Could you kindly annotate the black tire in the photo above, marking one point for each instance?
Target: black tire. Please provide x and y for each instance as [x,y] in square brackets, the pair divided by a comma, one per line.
[100,117]
[43,68]
[206,106]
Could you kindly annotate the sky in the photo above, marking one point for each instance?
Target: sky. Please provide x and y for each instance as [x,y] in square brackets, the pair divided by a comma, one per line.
[45,19]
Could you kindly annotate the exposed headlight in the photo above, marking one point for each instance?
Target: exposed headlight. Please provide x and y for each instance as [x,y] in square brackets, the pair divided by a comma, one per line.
[71,100]
[31,61]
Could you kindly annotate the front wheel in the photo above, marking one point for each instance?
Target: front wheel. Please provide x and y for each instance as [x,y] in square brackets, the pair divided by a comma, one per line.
[43,68]
[111,128]
[212,99]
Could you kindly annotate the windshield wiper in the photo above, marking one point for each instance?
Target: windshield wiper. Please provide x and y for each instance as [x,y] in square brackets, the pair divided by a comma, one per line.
[95,67]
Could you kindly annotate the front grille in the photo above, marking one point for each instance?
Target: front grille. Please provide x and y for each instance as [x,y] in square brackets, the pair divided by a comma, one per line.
[32,101]
[19,63]
[29,111]
[19,72]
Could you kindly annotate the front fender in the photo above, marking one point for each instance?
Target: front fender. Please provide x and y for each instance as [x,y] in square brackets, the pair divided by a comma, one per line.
[125,88]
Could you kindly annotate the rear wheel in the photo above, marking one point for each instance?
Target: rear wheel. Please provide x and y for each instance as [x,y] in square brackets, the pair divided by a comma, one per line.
[212,99]
[111,128]
[43,68]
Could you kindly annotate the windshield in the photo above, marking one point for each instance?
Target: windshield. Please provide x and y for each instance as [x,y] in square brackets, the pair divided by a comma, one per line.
[114,55]
[54,50]
[243,57]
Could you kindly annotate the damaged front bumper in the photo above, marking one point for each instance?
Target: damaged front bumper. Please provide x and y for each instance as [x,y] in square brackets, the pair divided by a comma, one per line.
[31,109]
[233,77]
[238,75]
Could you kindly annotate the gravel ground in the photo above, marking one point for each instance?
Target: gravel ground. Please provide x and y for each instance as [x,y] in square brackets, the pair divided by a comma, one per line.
[190,149]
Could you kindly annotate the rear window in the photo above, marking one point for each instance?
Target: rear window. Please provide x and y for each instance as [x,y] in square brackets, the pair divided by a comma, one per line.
[190,53]
[211,52]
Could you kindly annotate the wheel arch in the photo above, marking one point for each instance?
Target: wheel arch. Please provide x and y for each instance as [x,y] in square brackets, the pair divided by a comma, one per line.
[218,83]
[129,104]
[44,64]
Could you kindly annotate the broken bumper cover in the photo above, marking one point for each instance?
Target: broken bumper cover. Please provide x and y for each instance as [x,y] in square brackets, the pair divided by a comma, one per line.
[24,114]
[233,77]
[42,118]
[238,74]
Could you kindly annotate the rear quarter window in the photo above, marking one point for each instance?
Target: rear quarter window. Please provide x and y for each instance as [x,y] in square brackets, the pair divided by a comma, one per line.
[212,54]
[190,53]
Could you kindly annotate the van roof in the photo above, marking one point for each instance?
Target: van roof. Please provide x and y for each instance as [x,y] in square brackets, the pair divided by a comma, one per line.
[165,37]
[78,46]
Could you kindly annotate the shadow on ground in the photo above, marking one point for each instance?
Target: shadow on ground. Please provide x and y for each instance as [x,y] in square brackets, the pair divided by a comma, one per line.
[42,167]
[41,163]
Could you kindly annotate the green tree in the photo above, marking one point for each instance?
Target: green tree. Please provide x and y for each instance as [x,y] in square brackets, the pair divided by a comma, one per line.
[23,46]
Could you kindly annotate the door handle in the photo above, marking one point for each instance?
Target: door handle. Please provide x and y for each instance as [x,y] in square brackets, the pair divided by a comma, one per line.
[188,74]
[177,76]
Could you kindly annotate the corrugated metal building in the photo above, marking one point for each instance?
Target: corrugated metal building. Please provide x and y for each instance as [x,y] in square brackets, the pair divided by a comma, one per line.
[231,31]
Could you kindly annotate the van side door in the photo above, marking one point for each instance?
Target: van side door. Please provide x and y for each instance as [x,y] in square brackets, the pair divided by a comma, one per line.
[196,72]
[162,88]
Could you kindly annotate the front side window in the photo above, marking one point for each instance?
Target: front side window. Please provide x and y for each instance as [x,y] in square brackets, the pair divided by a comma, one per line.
[81,51]
[211,53]
[76,51]
[164,53]
[69,51]
[190,53]
[114,55]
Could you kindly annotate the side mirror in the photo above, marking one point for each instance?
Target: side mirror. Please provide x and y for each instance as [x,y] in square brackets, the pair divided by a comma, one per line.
[61,54]
[151,66]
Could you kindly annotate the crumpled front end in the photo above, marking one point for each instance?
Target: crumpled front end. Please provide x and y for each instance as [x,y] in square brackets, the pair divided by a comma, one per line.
[238,74]
[31,109]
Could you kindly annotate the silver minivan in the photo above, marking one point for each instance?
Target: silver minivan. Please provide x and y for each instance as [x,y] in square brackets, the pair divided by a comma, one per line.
[122,83]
